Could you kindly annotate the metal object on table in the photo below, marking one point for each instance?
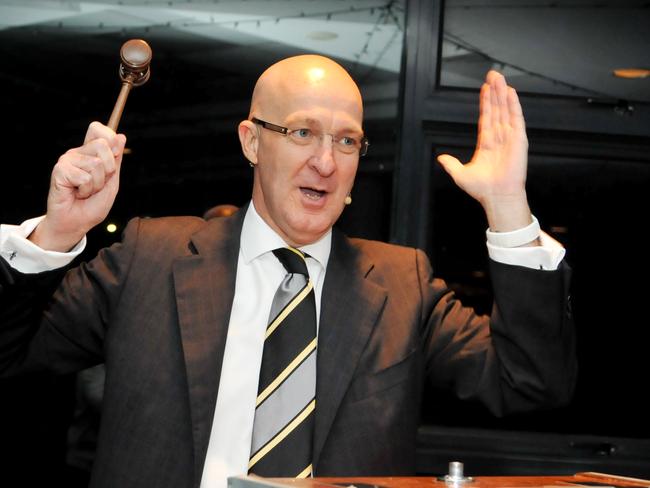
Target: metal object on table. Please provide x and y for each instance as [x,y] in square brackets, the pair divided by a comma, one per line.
[456,474]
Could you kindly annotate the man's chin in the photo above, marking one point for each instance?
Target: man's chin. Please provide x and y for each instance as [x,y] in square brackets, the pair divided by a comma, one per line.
[309,230]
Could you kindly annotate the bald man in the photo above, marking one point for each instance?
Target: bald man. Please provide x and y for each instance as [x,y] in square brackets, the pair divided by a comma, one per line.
[178,310]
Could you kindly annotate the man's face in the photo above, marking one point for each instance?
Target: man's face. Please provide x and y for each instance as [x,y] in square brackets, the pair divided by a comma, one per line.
[300,190]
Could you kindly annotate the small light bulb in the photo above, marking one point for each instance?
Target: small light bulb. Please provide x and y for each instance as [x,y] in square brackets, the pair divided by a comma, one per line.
[111,228]
[631,73]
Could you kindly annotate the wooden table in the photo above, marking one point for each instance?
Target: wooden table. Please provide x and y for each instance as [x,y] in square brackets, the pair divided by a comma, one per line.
[591,480]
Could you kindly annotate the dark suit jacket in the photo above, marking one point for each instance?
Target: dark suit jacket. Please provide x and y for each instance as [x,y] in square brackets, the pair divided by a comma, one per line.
[156,308]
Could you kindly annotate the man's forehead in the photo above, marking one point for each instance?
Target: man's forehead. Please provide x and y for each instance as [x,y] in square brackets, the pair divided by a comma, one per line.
[320,103]
[324,118]
[305,83]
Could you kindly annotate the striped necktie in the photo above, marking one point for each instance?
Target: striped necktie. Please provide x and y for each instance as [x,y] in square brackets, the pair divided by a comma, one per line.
[284,412]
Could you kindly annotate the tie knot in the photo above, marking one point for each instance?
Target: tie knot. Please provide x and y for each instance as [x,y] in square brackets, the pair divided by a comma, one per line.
[292,259]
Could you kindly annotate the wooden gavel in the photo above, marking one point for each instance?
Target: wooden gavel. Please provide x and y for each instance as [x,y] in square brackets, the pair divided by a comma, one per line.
[134,71]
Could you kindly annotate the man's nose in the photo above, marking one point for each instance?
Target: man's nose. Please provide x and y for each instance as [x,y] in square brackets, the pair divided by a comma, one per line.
[323,161]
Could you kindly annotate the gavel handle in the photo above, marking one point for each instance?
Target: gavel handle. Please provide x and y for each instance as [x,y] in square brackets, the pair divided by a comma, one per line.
[119,105]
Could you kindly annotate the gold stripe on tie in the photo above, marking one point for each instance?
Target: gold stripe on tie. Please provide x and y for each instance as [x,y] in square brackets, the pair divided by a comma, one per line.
[283,433]
[287,371]
[305,473]
[297,251]
[288,309]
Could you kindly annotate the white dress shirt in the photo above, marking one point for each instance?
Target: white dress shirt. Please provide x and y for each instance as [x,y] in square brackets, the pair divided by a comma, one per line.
[258,275]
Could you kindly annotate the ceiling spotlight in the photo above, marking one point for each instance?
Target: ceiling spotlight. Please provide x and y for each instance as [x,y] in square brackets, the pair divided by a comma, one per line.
[111,228]
[631,73]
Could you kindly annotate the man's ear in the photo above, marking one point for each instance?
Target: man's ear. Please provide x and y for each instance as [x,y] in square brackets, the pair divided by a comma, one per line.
[248,137]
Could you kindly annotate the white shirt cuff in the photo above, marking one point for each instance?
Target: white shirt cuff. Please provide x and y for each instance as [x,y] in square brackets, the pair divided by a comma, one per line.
[25,256]
[547,256]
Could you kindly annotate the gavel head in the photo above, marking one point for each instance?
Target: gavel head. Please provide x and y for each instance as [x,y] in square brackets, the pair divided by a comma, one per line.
[136,57]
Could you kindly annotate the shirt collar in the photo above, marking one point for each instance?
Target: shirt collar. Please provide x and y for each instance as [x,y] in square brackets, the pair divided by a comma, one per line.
[258,238]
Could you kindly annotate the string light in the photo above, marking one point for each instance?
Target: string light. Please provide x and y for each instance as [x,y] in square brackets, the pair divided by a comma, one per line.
[384,17]
[384,13]
[328,15]
[462,44]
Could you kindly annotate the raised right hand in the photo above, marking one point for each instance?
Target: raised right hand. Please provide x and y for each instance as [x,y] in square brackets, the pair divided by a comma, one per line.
[83,187]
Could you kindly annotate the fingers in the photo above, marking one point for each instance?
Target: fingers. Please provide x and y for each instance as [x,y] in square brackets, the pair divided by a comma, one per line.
[97,130]
[99,149]
[485,116]
[85,174]
[505,109]
[501,90]
[497,104]
[86,169]
[516,114]
[80,173]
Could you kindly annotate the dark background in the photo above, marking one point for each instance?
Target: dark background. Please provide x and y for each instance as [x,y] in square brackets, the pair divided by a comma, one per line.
[419,65]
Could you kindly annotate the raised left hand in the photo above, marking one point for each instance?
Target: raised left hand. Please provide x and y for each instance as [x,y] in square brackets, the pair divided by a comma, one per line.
[496,174]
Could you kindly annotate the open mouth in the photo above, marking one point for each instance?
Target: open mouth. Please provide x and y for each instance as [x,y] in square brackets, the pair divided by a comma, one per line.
[312,193]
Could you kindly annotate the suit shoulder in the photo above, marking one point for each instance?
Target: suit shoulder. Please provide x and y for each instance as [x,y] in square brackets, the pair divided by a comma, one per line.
[383,252]
[166,227]
[162,232]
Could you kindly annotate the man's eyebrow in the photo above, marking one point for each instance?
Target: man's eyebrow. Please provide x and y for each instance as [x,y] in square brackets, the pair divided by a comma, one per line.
[306,121]
[312,122]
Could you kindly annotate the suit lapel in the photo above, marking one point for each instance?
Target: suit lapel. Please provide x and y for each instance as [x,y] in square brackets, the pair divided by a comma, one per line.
[204,286]
[350,307]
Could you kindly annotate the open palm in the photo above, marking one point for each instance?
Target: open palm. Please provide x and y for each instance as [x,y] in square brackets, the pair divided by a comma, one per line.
[497,170]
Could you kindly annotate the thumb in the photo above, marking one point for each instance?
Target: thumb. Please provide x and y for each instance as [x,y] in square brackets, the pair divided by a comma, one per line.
[450,164]
[120,143]
[118,151]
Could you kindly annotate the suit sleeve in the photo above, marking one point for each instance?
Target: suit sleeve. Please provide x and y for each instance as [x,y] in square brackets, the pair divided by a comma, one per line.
[56,320]
[520,358]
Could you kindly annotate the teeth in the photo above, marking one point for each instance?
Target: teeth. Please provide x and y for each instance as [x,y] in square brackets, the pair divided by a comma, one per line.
[313,194]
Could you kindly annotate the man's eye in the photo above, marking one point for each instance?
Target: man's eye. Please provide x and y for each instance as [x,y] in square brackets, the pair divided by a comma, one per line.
[302,133]
[348,141]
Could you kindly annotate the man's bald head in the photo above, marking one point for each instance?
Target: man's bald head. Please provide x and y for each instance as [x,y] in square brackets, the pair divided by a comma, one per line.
[294,83]
[302,177]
